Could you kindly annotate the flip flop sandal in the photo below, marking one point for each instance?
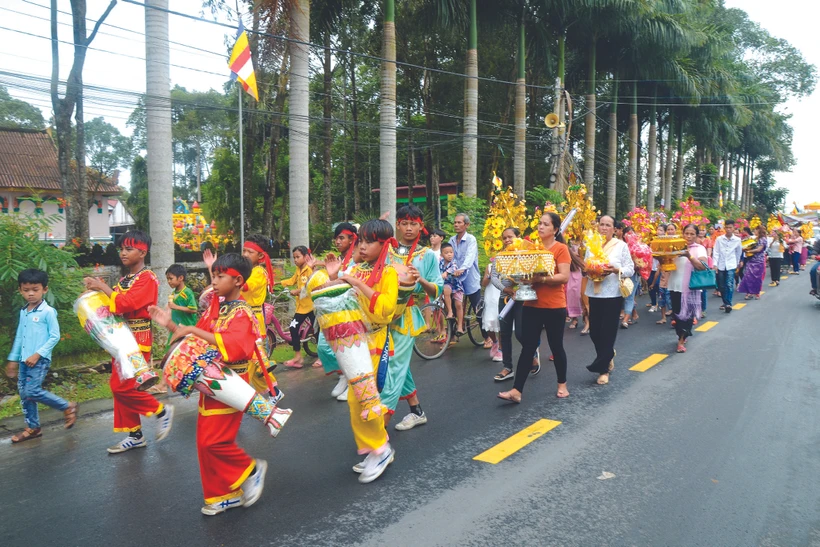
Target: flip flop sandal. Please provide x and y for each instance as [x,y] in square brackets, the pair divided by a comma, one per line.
[500,377]
[71,415]
[535,370]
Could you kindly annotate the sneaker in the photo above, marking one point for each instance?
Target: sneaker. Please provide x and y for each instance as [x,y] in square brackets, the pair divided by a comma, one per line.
[127,444]
[410,421]
[359,467]
[341,386]
[343,395]
[165,422]
[728,309]
[221,506]
[498,358]
[535,370]
[536,361]
[653,309]
[276,397]
[253,485]
[375,464]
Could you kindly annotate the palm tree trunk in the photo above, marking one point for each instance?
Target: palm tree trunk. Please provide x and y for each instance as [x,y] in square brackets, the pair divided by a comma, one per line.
[653,155]
[327,143]
[158,131]
[520,184]
[632,173]
[354,112]
[679,163]
[589,124]
[612,159]
[387,115]
[469,156]
[299,165]
[269,202]
[737,182]
[751,203]
[667,183]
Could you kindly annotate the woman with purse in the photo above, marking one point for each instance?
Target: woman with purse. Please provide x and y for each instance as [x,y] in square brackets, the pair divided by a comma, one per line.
[755,270]
[606,299]
[685,285]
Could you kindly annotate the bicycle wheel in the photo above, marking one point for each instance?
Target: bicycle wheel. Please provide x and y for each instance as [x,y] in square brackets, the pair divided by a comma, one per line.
[310,338]
[270,342]
[434,341]
[473,324]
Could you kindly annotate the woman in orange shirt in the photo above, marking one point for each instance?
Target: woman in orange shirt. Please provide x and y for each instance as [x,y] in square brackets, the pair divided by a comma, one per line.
[548,312]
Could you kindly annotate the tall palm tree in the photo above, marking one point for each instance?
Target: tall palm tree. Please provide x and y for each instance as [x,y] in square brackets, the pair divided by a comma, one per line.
[632,173]
[589,121]
[387,114]
[298,122]
[520,164]
[653,153]
[158,132]
[612,158]
[667,177]
[469,156]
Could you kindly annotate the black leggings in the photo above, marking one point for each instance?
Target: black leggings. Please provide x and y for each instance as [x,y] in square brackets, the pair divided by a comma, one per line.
[512,319]
[774,266]
[295,325]
[533,320]
[604,320]
[682,328]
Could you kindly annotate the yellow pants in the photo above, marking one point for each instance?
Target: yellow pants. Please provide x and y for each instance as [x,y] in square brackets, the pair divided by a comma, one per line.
[370,436]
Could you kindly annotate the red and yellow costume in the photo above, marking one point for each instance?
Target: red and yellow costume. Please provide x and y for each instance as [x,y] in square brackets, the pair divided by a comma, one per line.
[256,288]
[223,465]
[130,300]
[380,310]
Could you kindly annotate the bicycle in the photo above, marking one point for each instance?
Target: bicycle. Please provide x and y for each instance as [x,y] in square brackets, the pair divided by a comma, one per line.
[308,332]
[436,338]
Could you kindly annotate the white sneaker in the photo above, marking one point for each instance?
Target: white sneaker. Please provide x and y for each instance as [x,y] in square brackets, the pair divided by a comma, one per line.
[343,395]
[221,506]
[498,358]
[359,467]
[253,485]
[375,464]
[127,444]
[341,387]
[653,309]
[165,422]
[410,421]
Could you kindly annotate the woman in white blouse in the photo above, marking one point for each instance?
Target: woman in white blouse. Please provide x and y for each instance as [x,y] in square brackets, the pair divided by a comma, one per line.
[606,302]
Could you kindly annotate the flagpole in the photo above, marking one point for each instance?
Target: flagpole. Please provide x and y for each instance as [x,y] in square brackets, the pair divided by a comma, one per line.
[241,173]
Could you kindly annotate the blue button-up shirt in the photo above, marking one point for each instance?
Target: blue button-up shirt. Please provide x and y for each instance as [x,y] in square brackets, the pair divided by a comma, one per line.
[466,256]
[37,332]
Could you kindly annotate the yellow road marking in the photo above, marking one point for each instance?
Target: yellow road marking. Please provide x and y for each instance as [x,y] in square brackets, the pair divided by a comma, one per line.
[518,441]
[649,362]
[738,306]
[706,327]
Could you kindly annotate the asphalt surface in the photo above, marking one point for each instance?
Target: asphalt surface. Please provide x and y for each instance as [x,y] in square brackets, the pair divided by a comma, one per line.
[715,447]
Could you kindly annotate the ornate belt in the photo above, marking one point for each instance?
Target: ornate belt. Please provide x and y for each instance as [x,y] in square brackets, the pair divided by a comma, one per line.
[139,325]
[239,367]
[256,309]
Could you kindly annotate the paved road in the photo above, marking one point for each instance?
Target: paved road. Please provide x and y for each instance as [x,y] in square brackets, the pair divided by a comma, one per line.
[715,447]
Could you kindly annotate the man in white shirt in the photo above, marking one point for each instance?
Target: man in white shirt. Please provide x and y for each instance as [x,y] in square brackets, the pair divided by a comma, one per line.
[726,257]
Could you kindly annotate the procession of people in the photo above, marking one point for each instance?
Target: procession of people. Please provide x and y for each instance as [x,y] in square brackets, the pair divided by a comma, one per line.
[366,297]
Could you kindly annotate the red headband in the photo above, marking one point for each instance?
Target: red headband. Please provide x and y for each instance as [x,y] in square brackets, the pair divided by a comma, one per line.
[134,244]
[268,267]
[229,271]
[349,253]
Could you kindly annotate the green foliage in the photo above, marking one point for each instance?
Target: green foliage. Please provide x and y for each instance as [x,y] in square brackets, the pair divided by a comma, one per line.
[20,248]
[18,114]
[475,208]
[106,148]
[72,387]
[539,195]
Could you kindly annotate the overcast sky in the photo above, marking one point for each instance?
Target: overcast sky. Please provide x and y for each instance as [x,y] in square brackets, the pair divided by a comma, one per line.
[115,60]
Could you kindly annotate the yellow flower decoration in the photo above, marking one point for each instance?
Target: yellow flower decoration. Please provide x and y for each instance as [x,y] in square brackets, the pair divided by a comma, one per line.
[488,245]
[498,245]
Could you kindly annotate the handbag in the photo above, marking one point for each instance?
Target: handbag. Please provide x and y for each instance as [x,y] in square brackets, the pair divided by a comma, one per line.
[702,279]
[626,285]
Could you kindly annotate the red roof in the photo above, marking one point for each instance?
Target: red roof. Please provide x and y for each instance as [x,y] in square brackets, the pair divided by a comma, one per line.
[28,161]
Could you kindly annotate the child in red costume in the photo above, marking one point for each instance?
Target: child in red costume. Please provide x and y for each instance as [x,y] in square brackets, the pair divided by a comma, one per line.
[230,478]
[130,299]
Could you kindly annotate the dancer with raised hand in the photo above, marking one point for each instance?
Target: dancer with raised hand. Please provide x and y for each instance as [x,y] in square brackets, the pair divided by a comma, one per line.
[377,287]
[230,478]
[304,307]
[424,279]
[130,299]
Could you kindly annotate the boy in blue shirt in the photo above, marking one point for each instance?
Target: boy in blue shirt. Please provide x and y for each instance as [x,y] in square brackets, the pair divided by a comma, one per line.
[37,334]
